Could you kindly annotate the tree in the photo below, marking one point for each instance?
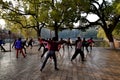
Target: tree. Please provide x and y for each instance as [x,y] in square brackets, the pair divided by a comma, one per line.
[116,33]
[108,14]
[39,13]
[27,13]
[63,14]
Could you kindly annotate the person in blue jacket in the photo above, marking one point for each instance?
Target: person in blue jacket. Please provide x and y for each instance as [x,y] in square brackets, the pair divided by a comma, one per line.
[18,47]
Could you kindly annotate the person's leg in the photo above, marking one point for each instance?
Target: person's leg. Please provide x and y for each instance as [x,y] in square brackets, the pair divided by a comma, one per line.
[22,53]
[87,48]
[55,61]
[71,46]
[31,46]
[17,50]
[44,51]
[25,50]
[39,47]
[28,45]
[82,55]
[68,46]
[91,47]
[75,54]
[43,65]
[43,46]
[2,48]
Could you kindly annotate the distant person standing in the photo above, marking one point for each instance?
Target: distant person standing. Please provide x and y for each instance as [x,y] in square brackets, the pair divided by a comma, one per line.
[61,45]
[85,44]
[30,43]
[24,45]
[18,47]
[69,43]
[41,44]
[78,46]
[91,42]
[2,48]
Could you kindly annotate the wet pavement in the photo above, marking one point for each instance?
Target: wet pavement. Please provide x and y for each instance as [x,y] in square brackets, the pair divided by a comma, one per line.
[101,64]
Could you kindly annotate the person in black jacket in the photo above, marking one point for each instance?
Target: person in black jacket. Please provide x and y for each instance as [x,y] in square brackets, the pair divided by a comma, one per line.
[24,45]
[30,43]
[2,48]
[85,44]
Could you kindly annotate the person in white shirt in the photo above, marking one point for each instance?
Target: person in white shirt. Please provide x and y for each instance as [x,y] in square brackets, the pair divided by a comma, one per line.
[78,46]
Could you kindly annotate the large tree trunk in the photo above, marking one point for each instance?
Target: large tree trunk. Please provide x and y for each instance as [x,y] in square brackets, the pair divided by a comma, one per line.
[56,27]
[56,32]
[38,32]
[110,38]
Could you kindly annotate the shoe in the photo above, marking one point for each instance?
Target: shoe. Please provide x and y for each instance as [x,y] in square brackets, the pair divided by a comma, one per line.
[24,56]
[56,69]
[71,59]
[41,70]
[41,56]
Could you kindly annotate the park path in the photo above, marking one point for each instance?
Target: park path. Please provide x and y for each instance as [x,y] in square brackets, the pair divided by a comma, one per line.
[101,64]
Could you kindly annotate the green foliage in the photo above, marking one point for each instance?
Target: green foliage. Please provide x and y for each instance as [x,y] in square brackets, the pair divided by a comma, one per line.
[101,33]
[116,32]
[56,15]
[116,6]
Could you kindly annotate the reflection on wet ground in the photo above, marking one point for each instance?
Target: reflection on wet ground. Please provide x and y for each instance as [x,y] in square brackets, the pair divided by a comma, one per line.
[101,64]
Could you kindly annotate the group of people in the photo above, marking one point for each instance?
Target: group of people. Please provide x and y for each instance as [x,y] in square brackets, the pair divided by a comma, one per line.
[21,45]
[52,45]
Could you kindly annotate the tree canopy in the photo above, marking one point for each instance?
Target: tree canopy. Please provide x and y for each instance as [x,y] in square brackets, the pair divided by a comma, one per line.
[62,14]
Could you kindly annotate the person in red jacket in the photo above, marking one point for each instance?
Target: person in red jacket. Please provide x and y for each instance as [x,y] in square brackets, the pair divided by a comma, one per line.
[53,47]
[90,41]
[47,48]
[41,43]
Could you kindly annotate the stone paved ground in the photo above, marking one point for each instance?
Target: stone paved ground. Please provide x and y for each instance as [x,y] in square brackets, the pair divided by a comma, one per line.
[101,64]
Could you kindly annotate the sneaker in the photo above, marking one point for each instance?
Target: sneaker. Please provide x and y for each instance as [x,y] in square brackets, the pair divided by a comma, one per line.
[56,69]
[41,70]
[24,56]
[83,60]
